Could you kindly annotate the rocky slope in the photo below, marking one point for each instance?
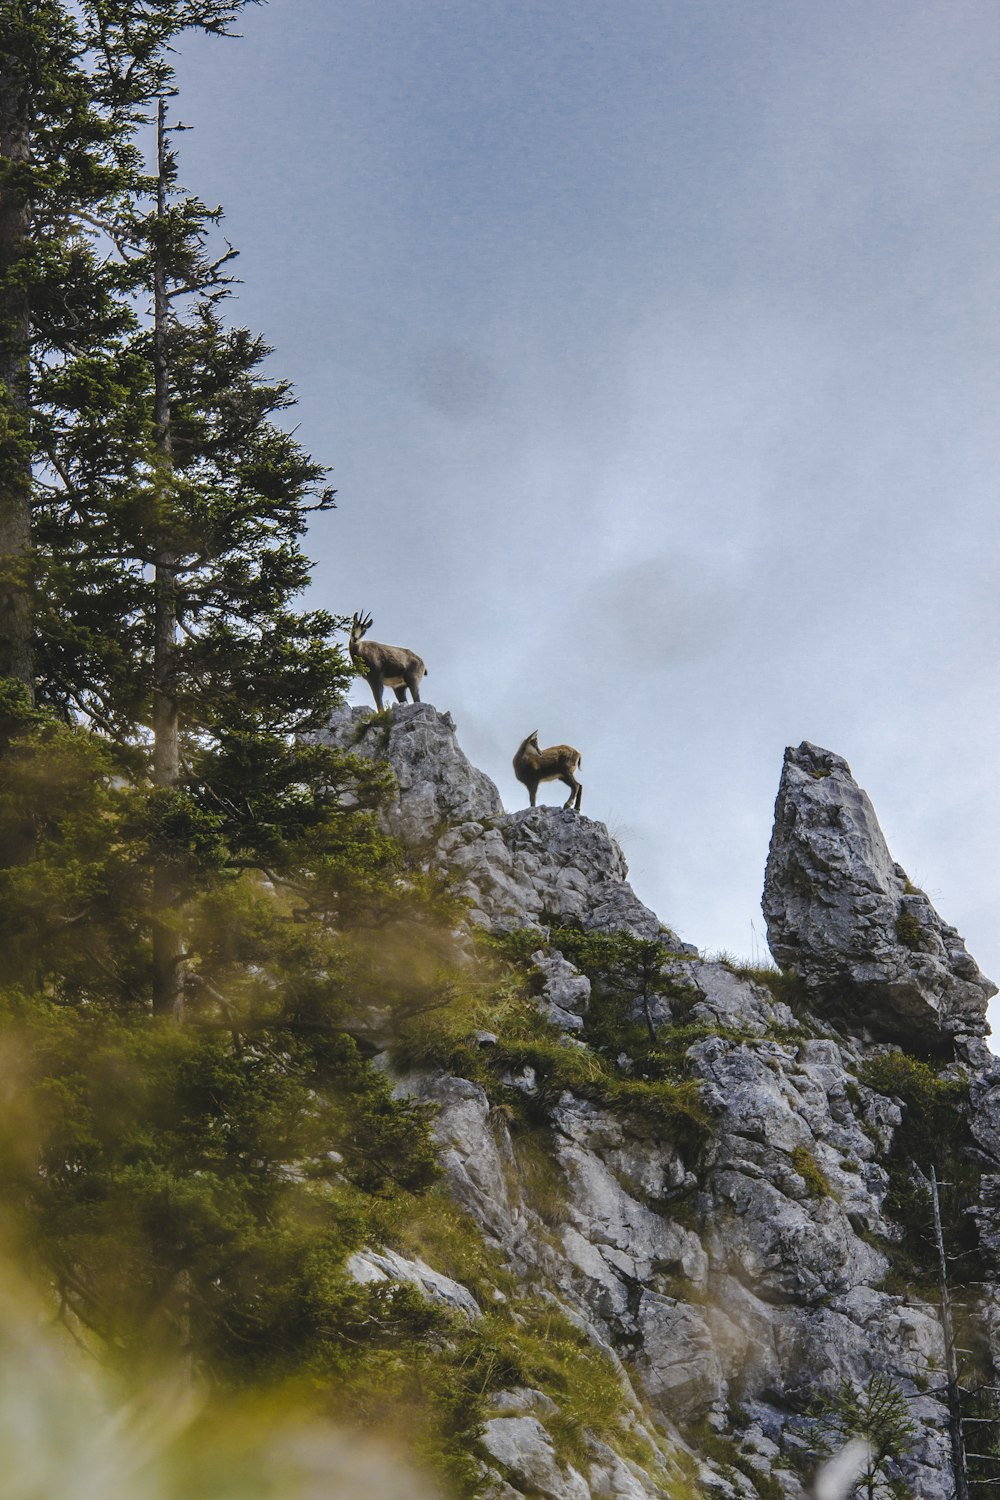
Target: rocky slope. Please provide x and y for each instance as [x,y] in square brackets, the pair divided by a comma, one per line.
[737,1212]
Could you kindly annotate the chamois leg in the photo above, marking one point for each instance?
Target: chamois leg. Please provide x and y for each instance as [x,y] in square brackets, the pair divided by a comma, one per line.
[532,791]
[413,683]
[376,685]
[400,694]
[575,791]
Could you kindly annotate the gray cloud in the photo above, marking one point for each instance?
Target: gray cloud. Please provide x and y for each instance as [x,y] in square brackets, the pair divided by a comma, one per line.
[458,382]
[672,324]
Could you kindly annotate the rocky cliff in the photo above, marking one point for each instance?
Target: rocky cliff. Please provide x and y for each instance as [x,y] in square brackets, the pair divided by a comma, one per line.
[720,1176]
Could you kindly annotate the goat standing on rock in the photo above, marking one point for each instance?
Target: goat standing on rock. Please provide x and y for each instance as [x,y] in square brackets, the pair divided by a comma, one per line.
[557,763]
[385,666]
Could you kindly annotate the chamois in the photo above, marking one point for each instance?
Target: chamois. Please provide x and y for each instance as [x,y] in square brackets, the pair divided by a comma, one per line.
[557,763]
[385,666]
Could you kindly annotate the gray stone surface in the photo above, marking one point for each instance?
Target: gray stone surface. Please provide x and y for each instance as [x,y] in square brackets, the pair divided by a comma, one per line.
[531,868]
[679,1363]
[843,916]
[436,781]
[522,1399]
[565,993]
[523,1446]
[614,1478]
[732,1282]
[544,866]
[764,1294]
[367,1266]
[474,1150]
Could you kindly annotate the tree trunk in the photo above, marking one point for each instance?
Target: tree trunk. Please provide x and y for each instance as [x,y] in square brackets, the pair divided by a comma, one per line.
[955,1433]
[168,941]
[15,451]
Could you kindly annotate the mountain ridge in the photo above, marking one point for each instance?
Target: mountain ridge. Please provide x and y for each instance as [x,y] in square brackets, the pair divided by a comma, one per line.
[750,1259]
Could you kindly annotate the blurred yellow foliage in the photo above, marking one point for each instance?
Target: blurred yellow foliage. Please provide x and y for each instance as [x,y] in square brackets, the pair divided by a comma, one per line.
[68,1433]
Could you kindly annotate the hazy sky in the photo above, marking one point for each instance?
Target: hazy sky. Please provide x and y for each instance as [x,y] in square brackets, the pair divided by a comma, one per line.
[654,346]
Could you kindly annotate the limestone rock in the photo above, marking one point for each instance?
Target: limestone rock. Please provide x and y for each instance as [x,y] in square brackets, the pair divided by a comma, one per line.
[524,1448]
[531,868]
[679,1365]
[543,866]
[566,992]
[522,1399]
[612,1478]
[843,916]
[603,1161]
[474,1151]
[437,783]
[499,1489]
[730,1276]
[367,1266]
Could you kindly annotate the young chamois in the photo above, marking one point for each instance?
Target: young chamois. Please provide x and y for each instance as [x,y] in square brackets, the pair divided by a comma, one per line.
[385,666]
[557,763]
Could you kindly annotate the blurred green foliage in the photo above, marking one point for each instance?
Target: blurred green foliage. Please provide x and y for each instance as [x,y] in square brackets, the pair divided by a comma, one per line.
[187,1195]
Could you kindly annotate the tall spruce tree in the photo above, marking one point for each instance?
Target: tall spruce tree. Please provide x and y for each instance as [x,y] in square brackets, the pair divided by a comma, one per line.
[152,508]
[74,82]
[15,472]
[58,161]
[229,495]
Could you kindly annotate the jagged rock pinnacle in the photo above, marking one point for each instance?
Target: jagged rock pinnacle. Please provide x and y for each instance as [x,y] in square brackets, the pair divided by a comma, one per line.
[842,914]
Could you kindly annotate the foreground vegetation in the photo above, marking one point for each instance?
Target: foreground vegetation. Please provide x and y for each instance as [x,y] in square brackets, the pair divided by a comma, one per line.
[208,943]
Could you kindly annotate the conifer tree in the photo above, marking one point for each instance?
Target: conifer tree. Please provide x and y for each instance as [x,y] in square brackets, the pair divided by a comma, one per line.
[74,82]
[233,670]
[15,473]
[878,1415]
[57,158]
[151,508]
[162,767]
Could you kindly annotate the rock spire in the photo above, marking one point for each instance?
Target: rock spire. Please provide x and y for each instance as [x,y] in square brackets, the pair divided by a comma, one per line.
[844,917]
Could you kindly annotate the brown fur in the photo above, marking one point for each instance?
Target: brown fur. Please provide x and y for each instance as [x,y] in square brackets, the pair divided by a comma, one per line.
[557,763]
[385,666]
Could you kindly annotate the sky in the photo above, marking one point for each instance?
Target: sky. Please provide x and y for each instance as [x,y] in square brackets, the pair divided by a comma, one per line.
[654,347]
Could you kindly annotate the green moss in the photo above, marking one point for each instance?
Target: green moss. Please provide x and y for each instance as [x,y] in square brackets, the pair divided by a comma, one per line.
[379,726]
[627,974]
[935,1118]
[433,1228]
[498,999]
[548,1352]
[910,932]
[678,1105]
[812,1174]
[786,987]
[757,973]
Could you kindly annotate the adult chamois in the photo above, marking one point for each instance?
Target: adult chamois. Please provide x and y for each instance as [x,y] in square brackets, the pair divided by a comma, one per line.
[557,763]
[385,666]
